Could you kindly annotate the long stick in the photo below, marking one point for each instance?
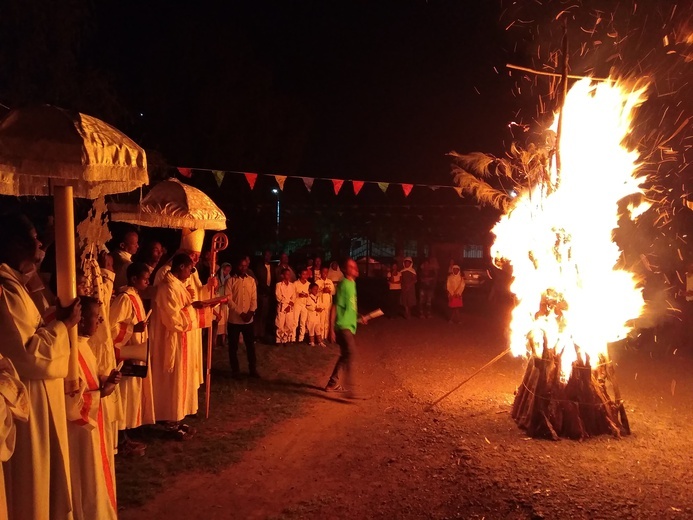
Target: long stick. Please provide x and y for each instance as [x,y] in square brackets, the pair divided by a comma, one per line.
[498,357]
[66,271]
[555,74]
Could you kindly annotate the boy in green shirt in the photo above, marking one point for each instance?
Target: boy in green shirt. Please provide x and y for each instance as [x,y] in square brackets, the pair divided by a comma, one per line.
[344,319]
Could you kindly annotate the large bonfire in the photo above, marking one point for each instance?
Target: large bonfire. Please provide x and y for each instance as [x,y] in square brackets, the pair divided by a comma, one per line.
[574,295]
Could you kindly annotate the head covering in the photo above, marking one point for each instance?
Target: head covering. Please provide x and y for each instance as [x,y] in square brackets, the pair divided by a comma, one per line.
[192,240]
[410,268]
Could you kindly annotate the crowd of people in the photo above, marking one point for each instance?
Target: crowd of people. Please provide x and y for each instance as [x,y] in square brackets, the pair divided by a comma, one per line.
[139,318]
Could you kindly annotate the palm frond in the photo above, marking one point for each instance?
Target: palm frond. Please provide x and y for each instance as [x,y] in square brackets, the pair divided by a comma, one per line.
[481,190]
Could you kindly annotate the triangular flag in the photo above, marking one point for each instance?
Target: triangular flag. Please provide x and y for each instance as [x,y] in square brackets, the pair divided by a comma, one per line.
[281,179]
[406,188]
[337,184]
[383,186]
[458,190]
[251,178]
[308,181]
[434,188]
[219,176]
[357,186]
[185,172]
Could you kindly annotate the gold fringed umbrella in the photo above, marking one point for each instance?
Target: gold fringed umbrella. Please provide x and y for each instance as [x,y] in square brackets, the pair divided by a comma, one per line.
[49,151]
[172,204]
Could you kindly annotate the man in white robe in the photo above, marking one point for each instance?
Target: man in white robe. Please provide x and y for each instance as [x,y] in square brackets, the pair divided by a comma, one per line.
[191,245]
[14,405]
[37,477]
[175,322]
[326,291]
[285,293]
[129,332]
[92,464]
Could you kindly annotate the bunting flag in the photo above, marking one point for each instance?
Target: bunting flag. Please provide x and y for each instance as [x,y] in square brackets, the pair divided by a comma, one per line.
[219,176]
[337,184]
[251,178]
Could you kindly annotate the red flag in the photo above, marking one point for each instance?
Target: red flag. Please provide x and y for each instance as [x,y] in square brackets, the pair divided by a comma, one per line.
[251,178]
[185,172]
[406,188]
[337,184]
[357,186]
[308,181]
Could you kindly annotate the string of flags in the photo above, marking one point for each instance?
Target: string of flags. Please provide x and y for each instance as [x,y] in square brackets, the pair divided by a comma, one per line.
[337,184]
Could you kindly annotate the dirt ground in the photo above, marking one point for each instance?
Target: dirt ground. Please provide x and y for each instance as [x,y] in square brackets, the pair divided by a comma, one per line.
[388,457]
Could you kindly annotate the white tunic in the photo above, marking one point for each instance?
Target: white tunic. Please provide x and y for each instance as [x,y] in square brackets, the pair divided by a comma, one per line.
[37,477]
[175,349]
[136,393]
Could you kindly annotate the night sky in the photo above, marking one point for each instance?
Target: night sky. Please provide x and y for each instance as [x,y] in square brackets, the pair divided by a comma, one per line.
[347,89]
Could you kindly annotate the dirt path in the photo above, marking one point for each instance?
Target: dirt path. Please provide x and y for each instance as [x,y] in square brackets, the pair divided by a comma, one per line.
[389,458]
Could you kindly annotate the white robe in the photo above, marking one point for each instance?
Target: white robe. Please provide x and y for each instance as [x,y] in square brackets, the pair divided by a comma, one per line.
[200,292]
[37,477]
[136,393]
[14,405]
[175,349]
[325,302]
[92,464]
[286,326]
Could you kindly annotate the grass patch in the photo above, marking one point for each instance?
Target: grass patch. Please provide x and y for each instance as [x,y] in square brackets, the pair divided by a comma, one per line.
[241,413]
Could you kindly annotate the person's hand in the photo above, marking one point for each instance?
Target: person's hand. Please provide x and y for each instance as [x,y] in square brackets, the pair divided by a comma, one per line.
[140,327]
[109,384]
[249,316]
[69,315]
[213,282]
[333,336]
[363,320]
[191,292]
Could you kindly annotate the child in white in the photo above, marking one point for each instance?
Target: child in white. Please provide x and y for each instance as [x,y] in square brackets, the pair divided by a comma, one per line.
[286,297]
[302,286]
[326,290]
[315,311]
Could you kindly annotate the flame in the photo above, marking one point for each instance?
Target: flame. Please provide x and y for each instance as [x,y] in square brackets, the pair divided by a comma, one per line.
[571,293]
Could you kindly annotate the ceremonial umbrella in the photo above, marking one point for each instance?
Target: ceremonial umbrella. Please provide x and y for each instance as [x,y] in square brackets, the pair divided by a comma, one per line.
[172,204]
[49,151]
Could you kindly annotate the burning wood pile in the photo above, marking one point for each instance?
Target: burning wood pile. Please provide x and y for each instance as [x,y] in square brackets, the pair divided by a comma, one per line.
[574,291]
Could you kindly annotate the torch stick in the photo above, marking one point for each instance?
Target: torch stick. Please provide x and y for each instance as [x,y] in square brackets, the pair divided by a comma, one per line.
[219,242]
[497,358]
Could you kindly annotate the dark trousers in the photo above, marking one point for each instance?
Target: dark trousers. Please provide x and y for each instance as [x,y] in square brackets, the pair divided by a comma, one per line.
[344,368]
[248,338]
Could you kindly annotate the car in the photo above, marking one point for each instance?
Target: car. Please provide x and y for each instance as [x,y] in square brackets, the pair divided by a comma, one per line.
[476,274]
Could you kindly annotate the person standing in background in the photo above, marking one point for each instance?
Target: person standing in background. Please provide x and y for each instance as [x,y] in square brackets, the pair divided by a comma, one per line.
[302,286]
[122,257]
[394,292]
[427,285]
[284,264]
[285,293]
[326,292]
[408,296]
[455,288]
[242,292]
[223,275]
[266,282]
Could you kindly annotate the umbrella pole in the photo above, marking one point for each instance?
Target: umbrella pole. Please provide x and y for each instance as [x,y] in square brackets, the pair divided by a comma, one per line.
[66,271]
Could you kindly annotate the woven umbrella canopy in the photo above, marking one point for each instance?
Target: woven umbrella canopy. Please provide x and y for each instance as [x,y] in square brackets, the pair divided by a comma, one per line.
[172,204]
[46,150]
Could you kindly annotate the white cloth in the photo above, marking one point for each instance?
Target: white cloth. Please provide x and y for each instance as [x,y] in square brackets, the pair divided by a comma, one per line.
[242,292]
[335,275]
[455,284]
[175,349]
[286,297]
[326,301]
[92,465]
[300,313]
[14,405]
[38,474]
[136,393]
[315,312]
